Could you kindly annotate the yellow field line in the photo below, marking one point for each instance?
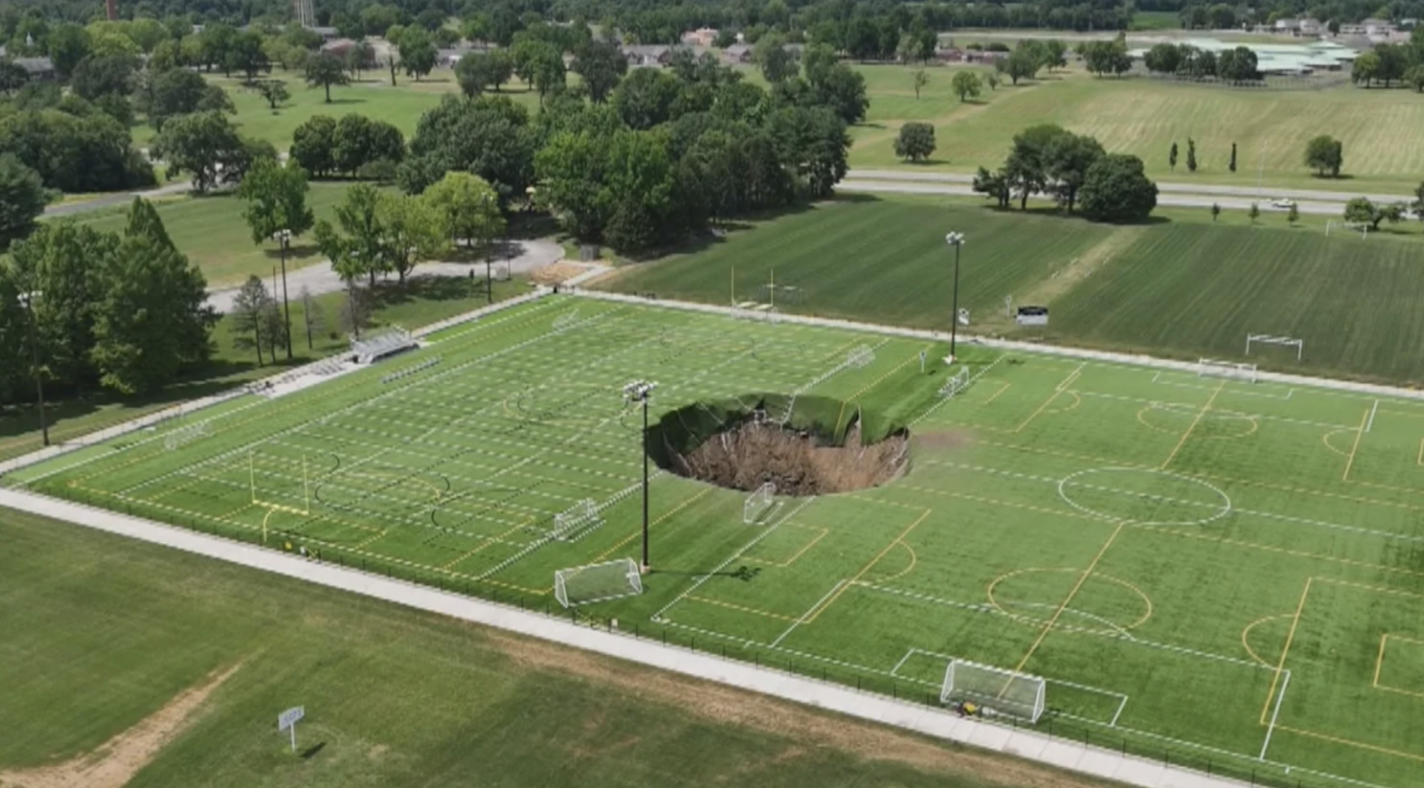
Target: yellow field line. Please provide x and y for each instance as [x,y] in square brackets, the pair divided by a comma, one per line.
[485,544]
[1001,390]
[788,562]
[1246,632]
[740,608]
[1377,589]
[638,531]
[1290,638]
[1379,661]
[819,609]
[1344,477]
[1011,504]
[1273,549]
[1351,743]
[1420,460]
[882,378]
[1190,428]
[1057,614]
[1072,376]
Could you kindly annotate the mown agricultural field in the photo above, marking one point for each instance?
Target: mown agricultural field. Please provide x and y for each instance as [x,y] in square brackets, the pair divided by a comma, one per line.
[1179,287]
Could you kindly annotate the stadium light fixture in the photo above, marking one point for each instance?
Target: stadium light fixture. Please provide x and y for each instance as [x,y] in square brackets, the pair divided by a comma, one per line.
[955,239]
[642,391]
[284,238]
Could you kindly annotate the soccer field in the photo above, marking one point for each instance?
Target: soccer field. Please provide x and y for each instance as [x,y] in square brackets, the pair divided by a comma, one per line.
[1205,570]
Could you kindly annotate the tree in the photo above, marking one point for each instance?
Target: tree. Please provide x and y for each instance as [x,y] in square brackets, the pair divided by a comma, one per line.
[205,145]
[1116,189]
[273,91]
[246,55]
[360,251]
[1163,58]
[68,45]
[920,79]
[1022,63]
[97,76]
[645,98]
[489,136]
[248,306]
[358,141]
[312,316]
[326,70]
[1067,160]
[181,92]
[314,145]
[966,85]
[1191,155]
[1293,215]
[1254,213]
[468,207]
[1365,69]
[601,66]
[1027,164]
[993,184]
[152,319]
[22,199]
[1232,165]
[836,86]
[776,61]
[539,63]
[1324,154]
[1172,157]
[276,199]
[992,80]
[813,141]
[1362,211]
[916,141]
[1215,211]
[417,52]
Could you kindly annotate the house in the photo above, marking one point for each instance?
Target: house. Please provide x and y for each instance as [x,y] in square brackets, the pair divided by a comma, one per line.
[990,56]
[949,55]
[1287,25]
[654,56]
[326,33]
[1310,27]
[40,69]
[737,55]
[701,37]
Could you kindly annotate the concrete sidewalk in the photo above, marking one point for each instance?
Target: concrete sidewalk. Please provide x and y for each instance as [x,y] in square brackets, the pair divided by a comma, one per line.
[939,724]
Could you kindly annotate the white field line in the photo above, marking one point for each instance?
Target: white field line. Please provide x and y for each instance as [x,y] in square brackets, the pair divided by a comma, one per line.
[1274,715]
[1369,427]
[1117,715]
[798,622]
[1161,405]
[982,372]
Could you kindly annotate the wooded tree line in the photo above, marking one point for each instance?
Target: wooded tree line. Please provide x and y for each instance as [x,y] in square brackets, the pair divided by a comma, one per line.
[83,308]
[1075,171]
[1391,64]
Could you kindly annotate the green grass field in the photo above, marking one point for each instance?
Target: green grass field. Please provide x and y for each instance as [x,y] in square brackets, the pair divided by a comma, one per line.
[1144,117]
[101,632]
[1182,286]
[1204,570]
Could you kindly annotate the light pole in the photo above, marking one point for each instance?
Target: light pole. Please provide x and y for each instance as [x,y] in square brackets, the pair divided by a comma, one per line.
[489,279]
[641,391]
[284,238]
[956,240]
[29,299]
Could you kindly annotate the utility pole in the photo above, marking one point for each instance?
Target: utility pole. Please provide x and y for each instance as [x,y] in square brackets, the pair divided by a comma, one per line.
[29,299]
[955,239]
[284,237]
[641,391]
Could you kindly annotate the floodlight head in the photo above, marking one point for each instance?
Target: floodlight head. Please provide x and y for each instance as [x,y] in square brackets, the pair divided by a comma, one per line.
[954,239]
[638,390]
[282,236]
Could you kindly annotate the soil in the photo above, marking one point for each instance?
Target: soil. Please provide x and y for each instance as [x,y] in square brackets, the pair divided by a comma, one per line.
[117,760]
[758,451]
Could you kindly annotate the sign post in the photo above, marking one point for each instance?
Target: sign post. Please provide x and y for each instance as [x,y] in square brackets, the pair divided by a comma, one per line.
[922,362]
[287,721]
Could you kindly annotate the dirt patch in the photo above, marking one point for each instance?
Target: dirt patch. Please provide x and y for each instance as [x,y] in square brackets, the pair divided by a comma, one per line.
[806,727]
[758,451]
[117,760]
[944,440]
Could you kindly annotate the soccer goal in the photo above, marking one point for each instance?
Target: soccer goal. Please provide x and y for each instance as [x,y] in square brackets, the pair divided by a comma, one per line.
[183,436]
[577,520]
[1268,339]
[758,503]
[957,383]
[1207,367]
[995,690]
[584,585]
[860,357]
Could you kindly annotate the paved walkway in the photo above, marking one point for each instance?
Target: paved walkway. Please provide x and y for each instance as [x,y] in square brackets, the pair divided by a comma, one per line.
[939,724]
[517,257]
[119,198]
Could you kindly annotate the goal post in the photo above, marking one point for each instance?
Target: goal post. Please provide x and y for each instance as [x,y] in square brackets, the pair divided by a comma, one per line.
[577,520]
[956,383]
[584,585]
[1226,369]
[1269,339]
[758,503]
[996,690]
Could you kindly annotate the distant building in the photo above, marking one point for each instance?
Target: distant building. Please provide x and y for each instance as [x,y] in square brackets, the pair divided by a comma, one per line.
[652,56]
[40,69]
[737,55]
[701,37]
[949,55]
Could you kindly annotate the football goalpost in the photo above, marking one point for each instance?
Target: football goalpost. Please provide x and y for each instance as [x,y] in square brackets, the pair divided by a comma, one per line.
[177,439]
[1363,228]
[576,521]
[758,503]
[1268,339]
[1226,369]
[956,384]
[995,690]
[584,585]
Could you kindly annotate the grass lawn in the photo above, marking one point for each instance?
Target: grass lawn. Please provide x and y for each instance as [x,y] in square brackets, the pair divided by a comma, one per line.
[1205,570]
[1181,286]
[212,232]
[102,632]
[1144,117]
[425,301]
[1156,20]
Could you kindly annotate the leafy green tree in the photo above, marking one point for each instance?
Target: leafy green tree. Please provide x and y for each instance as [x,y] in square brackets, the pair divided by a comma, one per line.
[1254,213]
[276,199]
[490,136]
[1414,77]
[966,84]
[314,145]
[181,92]
[840,88]
[93,153]
[919,80]
[1232,165]
[1366,69]
[246,55]
[412,230]
[1116,189]
[417,52]
[151,320]
[1191,155]
[22,199]
[359,252]
[1215,211]
[601,66]
[324,71]
[358,141]
[68,45]
[358,57]
[995,185]
[248,308]
[13,77]
[1067,160]
[645,98]
[205,145]
[814,143]
[1027,164]
[61,260]
[1022,63]
[273,91]
[1361,210]
[468,207]
[97,76]
[1172,157]
[1163,58]
[775,60]
[1324,154]
[916,141]
[1293,215]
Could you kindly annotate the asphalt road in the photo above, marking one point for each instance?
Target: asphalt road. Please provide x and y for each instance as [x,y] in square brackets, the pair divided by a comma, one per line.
[120,198]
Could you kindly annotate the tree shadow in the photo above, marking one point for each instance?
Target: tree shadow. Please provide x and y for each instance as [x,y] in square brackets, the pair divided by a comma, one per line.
[427,288]
[294,251]
[346,101]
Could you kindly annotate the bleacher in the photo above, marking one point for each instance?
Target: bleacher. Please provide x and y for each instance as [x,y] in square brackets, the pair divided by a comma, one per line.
[388,343]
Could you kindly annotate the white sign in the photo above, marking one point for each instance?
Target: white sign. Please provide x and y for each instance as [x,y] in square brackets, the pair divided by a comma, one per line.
[287,721]
[1032,316]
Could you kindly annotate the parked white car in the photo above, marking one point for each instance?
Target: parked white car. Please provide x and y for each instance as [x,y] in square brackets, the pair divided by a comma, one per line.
[1282,203]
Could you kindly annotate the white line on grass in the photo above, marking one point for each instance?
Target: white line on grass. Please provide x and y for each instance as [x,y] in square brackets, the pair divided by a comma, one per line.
[982,372]
[1120,707]
[798,622]
[1274,715]
[1369,427]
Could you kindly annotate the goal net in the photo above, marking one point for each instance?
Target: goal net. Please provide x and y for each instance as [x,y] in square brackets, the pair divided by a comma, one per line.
[577,520]
[957,383]
[860,357]
[995,690]
[1226,369]
[758,503]
[584,585]
[183,436]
